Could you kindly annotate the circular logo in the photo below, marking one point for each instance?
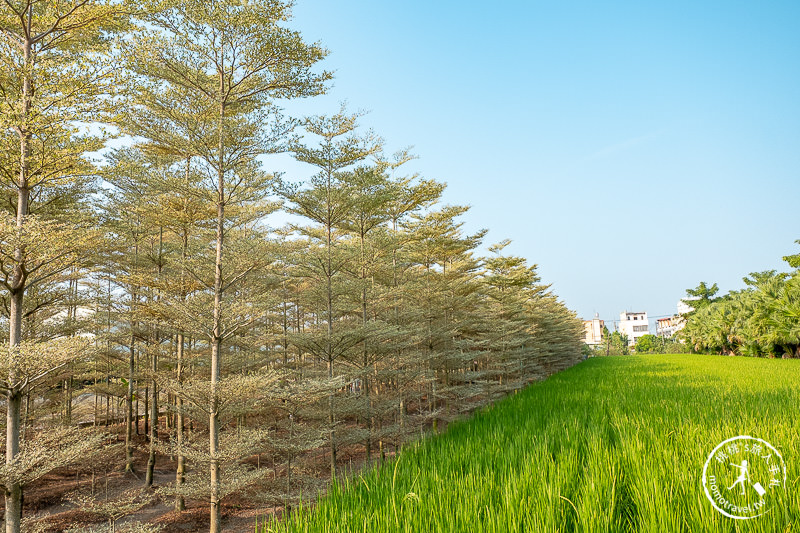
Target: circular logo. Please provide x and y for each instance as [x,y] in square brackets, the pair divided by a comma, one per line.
[742,476]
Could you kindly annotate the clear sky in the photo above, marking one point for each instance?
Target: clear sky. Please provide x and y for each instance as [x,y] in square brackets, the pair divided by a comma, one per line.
[629,149]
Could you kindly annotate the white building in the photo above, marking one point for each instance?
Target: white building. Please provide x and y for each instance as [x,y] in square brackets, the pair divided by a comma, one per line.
[667,327]
[683,305]
[634,325]
[593,331]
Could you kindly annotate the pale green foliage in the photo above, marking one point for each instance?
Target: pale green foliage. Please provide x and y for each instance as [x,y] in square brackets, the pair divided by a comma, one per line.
[48,248]
[69,71]
[129,527]
[113,510]
[35,361]
[49,450]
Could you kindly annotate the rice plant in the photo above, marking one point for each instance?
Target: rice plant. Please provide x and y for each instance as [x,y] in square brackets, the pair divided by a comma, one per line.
[613,444]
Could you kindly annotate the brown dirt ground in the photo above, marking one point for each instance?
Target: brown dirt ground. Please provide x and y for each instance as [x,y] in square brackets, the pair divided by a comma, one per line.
[46,498]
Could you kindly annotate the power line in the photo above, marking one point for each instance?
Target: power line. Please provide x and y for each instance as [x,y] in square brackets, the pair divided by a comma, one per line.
[648,317]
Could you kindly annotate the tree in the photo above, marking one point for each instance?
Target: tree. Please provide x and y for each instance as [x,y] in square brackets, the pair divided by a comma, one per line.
[760,320]
[54,77]
[328,203]
[446,290]
[210,72]
[510,284]
[411,196]
[646,344]
[794,259]
[701,296]
[616,344]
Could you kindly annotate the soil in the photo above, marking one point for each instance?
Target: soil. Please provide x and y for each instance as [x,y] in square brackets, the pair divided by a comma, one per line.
[47,499]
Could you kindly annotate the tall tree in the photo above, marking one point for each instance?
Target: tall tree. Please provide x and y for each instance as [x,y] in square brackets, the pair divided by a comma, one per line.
[211,71]
[510,284]
[53,77]
[328,203]
[447,292]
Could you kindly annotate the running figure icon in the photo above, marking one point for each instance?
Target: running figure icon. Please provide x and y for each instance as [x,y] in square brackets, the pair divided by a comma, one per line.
[743,475]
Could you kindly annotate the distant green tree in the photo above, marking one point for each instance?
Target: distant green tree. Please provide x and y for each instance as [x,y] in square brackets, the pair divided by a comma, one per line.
[647,344]
[761,320]
[701,296]
[615,343]
[793,260]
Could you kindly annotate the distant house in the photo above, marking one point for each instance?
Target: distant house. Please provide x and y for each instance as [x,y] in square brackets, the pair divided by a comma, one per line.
[593,331]
[634,325]
[667,327]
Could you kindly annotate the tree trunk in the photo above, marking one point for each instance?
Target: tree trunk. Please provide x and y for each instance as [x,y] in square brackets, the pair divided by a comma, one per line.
[13,495]
[130,420]
[129,411]
[213,419]
[365,355]
[146,409]
[180,471]
[331,421]
[216,335]
[151,460]
[155,343]
[329,347]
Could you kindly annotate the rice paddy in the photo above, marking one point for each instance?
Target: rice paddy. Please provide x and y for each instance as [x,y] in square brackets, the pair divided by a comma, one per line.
[613,444]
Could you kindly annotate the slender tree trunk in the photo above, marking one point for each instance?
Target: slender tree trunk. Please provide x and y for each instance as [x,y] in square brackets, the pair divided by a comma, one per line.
[216,336]
[180,471]
[213,419]
[329,347]
[68,414]
[331,421]
[289,460]
[13,496]
[365,355]
[401,411]
[129,409]
[151,460]
[155,344]
[14,395]
[285,341]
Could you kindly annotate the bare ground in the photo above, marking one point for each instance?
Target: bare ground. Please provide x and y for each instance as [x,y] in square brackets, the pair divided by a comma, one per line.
[48,498]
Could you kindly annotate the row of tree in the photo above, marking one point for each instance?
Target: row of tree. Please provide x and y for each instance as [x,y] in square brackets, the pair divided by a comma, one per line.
[761,320]
[658,344]
[147,284]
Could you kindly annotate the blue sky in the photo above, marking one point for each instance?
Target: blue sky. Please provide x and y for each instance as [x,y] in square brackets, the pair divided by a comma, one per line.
[629,149]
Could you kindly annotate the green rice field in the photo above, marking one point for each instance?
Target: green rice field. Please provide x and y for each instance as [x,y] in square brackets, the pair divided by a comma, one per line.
[613,444]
